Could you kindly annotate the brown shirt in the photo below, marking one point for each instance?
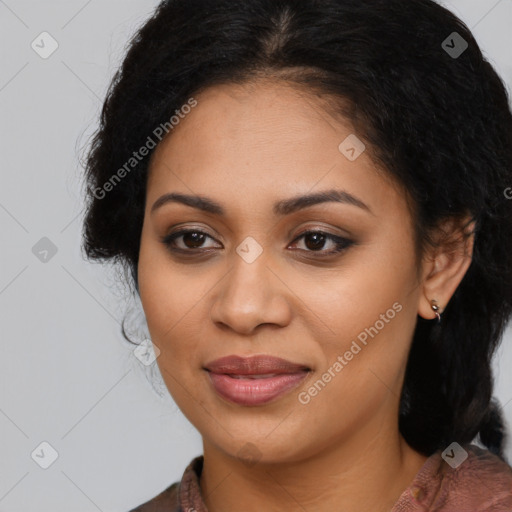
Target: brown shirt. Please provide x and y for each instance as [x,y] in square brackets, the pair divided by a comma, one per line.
[482,483]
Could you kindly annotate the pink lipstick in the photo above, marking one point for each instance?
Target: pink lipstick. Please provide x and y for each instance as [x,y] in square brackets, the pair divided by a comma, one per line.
[254,380]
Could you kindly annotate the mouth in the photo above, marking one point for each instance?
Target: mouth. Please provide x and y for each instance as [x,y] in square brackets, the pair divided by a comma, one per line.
[255,380]
[251,390]
[260,365]
[268,375]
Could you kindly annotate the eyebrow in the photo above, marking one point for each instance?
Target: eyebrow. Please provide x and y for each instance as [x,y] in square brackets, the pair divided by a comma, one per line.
[283,207]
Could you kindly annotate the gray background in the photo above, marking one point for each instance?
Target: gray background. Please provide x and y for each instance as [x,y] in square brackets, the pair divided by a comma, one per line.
[67,376]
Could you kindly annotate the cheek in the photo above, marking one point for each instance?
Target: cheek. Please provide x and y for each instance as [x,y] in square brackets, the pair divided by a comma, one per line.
[359,380]
[164,291]
[174,299]
[375,283]
[371,315]
[171,306]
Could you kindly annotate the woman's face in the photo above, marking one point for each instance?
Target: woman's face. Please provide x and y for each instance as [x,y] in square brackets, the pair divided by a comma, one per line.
[245,282]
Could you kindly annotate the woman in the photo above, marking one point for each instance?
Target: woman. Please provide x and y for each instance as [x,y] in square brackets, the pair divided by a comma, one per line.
[311,200]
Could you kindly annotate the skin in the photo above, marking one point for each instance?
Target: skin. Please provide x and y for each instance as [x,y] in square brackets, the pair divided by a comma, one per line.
[247,147]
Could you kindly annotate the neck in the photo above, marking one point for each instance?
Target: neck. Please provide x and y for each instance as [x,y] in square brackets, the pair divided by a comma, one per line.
[355,475]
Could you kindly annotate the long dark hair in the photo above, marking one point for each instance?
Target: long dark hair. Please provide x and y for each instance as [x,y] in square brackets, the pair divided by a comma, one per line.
[433,113]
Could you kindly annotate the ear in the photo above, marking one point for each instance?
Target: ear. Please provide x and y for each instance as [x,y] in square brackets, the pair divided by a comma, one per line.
[444,266]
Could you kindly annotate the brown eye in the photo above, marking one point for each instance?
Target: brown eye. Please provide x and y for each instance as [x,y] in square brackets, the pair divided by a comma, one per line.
[315,242]
[191,239]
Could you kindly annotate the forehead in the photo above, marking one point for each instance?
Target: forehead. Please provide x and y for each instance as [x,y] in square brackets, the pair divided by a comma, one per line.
[265,139]
[262,114]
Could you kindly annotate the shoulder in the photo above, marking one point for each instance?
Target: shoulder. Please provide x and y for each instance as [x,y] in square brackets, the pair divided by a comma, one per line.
[166,501]
[485,468]
[481,481]
[184,494]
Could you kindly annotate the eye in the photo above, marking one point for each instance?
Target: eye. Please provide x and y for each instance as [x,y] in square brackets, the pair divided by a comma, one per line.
[316,240]
[190,241]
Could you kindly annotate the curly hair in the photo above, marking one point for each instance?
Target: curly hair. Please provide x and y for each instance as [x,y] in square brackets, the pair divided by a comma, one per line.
[438,123]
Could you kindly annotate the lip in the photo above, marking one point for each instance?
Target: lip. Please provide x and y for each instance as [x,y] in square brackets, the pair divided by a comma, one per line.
[255,380]
[253,365]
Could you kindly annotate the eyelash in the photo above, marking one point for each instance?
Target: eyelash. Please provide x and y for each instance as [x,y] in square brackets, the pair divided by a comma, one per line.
[342,244]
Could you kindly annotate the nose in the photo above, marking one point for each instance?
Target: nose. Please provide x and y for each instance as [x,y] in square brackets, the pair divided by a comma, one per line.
[251,295]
